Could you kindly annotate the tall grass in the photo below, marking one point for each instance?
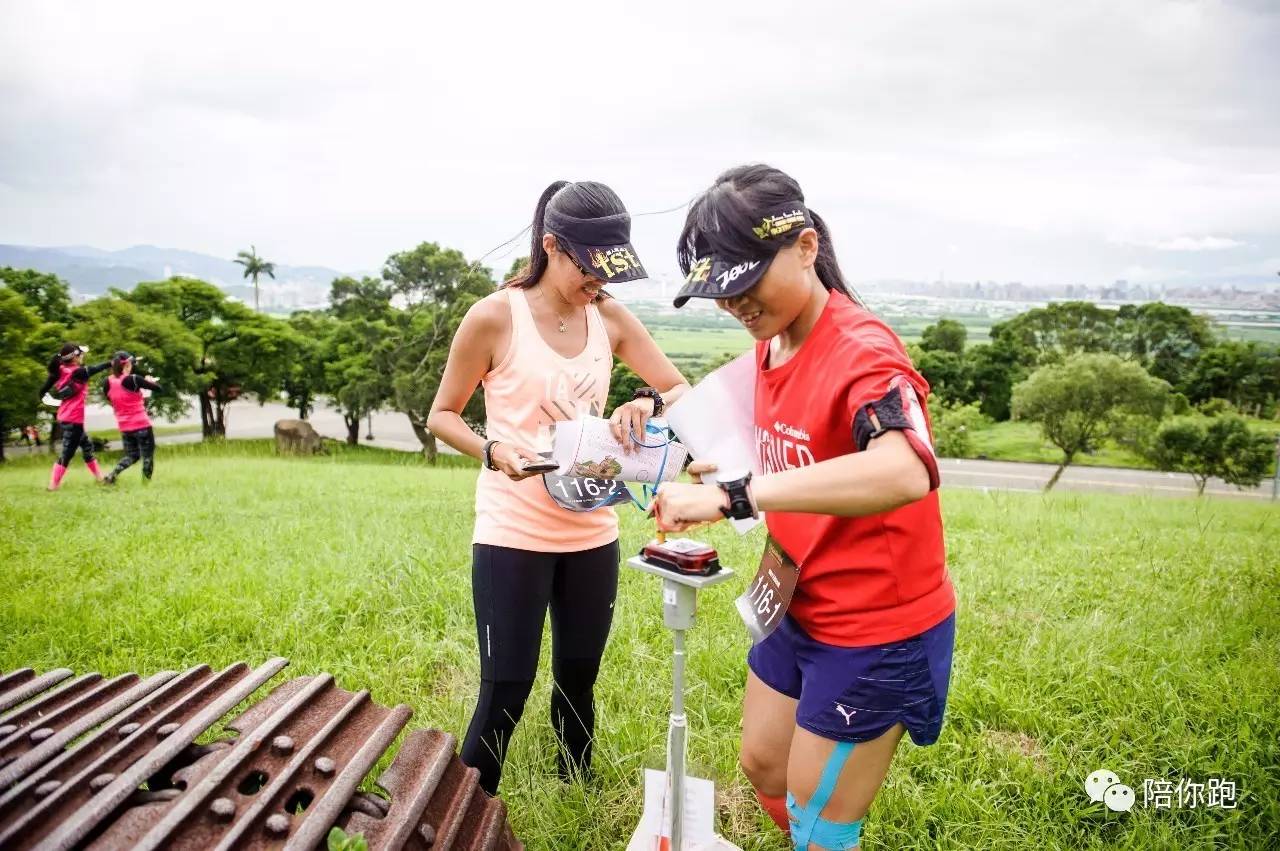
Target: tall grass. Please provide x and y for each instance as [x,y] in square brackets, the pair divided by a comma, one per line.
[1129,633]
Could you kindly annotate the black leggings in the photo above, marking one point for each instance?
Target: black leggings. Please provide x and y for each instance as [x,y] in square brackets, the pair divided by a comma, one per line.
[137,444]
[512,590]
[75,437]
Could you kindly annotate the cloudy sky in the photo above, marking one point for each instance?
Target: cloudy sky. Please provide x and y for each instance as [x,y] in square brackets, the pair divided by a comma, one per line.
[1064,142]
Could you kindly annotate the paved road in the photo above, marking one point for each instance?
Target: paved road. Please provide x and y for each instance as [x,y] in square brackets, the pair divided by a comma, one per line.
[391,431]
[1011,475]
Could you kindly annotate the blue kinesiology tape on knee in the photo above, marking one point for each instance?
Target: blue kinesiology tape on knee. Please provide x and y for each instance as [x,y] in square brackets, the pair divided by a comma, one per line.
[808,819]
[835,835]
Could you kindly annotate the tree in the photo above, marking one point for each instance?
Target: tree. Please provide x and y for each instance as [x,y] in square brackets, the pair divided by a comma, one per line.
[623,384]
[992,369]
[439,286]
[21,372]
[954,426]
[517,268]
[1051,333]
[946,371]
[353,375]
[368,298]
[1223,446]
[1085,400]
[48,295]
[436,275]
[239,351]
[1245,374]
[1164,338]
[304,379]
[415,358]
[255,266]
[166,349]
[945,335]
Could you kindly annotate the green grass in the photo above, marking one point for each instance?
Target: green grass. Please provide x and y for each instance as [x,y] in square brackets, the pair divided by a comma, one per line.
[685,344]
[1023,441]
[1132,633]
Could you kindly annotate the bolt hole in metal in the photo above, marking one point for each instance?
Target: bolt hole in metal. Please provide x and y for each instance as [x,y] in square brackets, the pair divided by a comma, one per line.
[253,783]
[299,801]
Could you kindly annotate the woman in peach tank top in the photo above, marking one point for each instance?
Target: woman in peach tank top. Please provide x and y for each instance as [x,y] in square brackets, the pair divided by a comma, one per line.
[543,347]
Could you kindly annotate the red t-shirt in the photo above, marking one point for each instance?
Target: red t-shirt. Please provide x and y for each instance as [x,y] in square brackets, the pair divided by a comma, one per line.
[863,580]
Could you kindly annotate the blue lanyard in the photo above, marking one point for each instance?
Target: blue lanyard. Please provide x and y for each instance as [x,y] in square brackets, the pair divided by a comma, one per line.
[651,492]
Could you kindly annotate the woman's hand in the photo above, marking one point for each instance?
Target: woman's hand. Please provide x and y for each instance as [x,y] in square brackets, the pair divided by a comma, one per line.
[678,507]
[511,459]
[629,419]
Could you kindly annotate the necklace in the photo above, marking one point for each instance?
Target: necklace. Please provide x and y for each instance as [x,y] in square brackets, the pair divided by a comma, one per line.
[562,326]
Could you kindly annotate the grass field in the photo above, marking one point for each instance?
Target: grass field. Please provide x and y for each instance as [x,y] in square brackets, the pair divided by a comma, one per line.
[1136,634]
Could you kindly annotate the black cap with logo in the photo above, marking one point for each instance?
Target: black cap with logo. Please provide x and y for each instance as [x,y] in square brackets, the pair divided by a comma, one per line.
[717,275]
[602,245]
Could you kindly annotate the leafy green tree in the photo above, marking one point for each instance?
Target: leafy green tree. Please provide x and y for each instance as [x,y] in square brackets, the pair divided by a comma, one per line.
[991,371]
[1051,333]
[439,286]
[240,352]
[946,371]
[431,274]
[48,295]
[1204,447]
[1086,399]
[517,268]
[21,372]
[166,349]
[254,267]
[353,373]
[1245,374]
[954,426]
[945,335]
[367,298]
[415,357]
[304,380]
[1164,338]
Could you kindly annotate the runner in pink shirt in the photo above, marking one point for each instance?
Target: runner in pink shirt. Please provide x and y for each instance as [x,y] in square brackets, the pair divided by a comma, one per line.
[123,390]
[69,380]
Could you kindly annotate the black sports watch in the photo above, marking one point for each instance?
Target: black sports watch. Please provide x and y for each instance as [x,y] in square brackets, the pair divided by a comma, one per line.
[741,506]
[651,393]
[488,454]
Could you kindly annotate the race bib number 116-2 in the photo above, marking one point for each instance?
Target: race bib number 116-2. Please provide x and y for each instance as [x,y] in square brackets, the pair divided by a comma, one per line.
[581,494]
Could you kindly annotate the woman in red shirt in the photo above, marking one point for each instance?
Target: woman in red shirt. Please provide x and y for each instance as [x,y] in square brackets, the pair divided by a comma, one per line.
[863,652]
[69,380]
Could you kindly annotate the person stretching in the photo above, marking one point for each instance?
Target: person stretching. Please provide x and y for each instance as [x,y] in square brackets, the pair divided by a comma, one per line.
[69,380]
[123,390]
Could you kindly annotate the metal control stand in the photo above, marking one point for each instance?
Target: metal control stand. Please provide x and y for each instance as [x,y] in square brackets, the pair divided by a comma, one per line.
[679,605]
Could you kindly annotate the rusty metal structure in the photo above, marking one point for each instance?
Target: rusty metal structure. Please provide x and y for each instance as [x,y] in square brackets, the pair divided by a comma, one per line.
[128,762]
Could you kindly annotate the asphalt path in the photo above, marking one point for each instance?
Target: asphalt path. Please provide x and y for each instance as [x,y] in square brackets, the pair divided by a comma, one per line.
[391,430]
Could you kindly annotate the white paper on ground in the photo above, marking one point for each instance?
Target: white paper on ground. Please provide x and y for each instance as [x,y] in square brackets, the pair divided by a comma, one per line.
[586,447]
[716,420]
[699,812]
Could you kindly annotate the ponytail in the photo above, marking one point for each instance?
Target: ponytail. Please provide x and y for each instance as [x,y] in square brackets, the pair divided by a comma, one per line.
[55,367]
[827,267]
[538,259]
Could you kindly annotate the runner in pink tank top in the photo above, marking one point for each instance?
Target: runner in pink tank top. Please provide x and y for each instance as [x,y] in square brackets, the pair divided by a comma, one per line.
[543,348]
[123,390]
[69,382]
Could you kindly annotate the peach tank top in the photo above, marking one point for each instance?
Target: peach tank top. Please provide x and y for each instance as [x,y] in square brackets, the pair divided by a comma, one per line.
[525,395]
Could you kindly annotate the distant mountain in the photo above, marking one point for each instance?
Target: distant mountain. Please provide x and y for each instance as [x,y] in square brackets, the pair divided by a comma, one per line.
[92,271]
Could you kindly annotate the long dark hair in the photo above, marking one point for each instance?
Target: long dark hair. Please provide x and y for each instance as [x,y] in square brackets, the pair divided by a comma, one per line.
[720,221]
[584,199]
[118,360]
[62,357]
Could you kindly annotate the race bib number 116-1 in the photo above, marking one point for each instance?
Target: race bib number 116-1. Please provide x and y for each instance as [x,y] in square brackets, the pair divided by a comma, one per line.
[763,605]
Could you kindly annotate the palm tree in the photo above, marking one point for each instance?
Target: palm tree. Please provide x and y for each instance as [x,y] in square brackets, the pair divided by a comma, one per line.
[253,267]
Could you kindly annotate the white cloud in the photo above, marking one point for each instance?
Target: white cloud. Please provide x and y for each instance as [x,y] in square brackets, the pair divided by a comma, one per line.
[1193,243]
[1028,133]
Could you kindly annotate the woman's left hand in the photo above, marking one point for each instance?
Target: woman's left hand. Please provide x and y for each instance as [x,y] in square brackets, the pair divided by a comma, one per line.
[678,507]
[629,419]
